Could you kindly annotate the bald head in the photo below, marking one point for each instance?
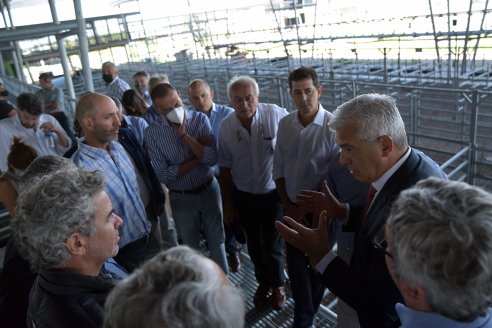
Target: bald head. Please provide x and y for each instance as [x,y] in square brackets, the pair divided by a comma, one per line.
[98,118]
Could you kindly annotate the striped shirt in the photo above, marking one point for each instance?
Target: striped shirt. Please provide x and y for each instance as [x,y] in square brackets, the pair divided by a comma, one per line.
[151,115]
[117,88]
[167,151]
[121,185]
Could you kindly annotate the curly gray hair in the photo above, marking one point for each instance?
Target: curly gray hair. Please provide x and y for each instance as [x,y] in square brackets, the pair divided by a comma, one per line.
[442,241]
[42,166]
[376,115]
[239,80]
[174,289]
[55,207]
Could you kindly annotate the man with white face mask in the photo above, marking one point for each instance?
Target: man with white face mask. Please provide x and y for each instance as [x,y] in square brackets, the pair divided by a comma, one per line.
[183,151]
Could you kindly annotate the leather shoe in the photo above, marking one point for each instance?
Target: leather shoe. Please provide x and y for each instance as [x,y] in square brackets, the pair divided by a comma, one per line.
[261,295]
[234,261]
[278,298]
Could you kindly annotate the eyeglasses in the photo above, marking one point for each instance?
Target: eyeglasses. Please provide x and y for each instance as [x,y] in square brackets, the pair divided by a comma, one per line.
[381,245]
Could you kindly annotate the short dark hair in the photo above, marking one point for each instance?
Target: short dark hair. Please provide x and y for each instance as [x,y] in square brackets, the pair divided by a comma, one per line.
[303,73]
[29,102]
[46,76]
[161,90]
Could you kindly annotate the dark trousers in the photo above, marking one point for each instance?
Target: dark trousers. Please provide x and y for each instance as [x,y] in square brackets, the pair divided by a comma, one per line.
[307,288]
[257,215]
[135,253]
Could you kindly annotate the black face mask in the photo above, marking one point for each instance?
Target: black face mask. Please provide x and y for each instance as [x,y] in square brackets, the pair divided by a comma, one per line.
[108,78]
[4,93]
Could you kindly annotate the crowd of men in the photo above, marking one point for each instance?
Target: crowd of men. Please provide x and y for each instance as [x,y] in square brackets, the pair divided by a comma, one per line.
[91,247]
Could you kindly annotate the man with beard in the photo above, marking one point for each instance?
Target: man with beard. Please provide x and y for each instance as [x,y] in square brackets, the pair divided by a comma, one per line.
[38,130]
[115,86]
[98,118]
[141,85]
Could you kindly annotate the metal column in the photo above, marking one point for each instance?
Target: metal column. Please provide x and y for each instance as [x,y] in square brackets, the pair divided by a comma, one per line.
[63,54]
[83,46]
[17,54]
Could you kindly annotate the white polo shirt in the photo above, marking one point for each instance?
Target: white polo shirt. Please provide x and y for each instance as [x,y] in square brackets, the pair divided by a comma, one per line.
[250,157]
[303,154]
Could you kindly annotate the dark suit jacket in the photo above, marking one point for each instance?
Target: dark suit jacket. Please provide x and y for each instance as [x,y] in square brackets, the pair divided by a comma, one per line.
[142,162]
[365,284]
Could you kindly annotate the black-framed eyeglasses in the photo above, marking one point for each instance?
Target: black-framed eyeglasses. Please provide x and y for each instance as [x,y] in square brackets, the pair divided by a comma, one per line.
[381,245]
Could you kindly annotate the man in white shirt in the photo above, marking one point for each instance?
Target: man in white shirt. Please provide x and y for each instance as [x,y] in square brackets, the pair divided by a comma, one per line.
[38,130]
[246,145]
[305,148]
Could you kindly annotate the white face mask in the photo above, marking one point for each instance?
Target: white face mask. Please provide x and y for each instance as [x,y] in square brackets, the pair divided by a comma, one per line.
[176,115]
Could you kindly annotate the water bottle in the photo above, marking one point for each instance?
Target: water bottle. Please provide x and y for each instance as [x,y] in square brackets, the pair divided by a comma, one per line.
[50,138]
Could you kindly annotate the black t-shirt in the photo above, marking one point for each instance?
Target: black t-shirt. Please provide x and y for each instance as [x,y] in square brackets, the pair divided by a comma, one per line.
[5,108]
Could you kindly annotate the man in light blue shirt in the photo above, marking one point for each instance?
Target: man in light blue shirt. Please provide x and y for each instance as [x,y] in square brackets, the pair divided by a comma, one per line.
[97,115]
[438,252]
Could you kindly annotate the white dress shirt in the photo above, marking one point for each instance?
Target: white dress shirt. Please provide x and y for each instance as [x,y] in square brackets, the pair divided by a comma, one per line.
[35,138]
[250,157]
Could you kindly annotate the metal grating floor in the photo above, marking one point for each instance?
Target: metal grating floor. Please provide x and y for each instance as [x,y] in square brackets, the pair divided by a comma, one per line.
[265,316]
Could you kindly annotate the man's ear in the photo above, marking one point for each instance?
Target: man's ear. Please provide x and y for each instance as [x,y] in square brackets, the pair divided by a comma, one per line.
[414,297]
[76,244]
[86,122]
[386,144]
[212,93]
[320,90]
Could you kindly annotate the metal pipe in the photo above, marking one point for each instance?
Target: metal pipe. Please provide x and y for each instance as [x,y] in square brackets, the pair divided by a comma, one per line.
[436,41]
[2,67]
[449,45]
[83,46]
[454,158]
[465,47]
[63,55]
[473,138]
[479,35]
[17,50]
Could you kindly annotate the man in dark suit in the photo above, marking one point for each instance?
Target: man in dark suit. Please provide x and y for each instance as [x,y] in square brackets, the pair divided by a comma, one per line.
[372,138]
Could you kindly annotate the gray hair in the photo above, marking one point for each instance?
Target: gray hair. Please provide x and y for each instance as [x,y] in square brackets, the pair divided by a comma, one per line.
[44,165]
[376,115]
[174,289]
[157,79]
[442,241]
[239,80]
[54,208]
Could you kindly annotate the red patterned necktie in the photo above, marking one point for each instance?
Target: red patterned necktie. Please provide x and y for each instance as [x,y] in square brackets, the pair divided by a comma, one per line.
[370,198]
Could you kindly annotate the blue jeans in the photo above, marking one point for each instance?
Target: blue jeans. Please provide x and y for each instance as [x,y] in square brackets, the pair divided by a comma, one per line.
[193,212]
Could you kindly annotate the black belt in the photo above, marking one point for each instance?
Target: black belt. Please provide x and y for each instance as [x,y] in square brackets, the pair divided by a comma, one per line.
[194,191]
